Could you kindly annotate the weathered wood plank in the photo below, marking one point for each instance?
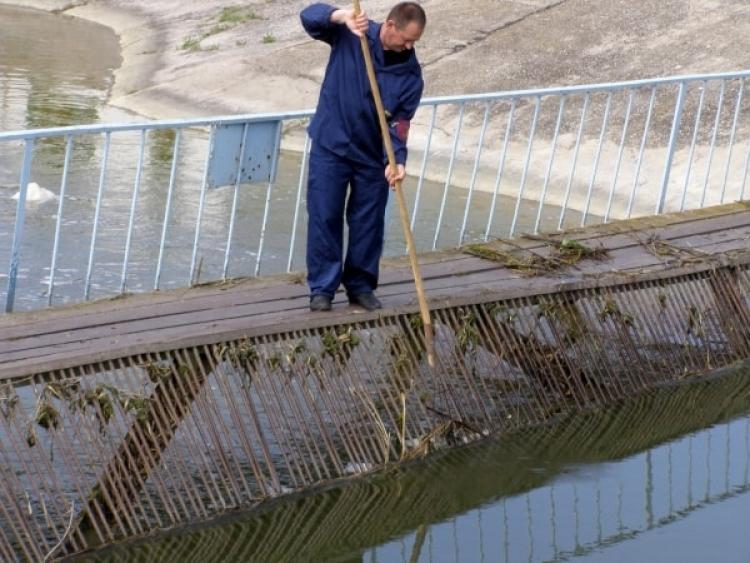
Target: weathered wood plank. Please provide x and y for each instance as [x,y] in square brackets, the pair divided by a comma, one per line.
[45,340]
[435,264]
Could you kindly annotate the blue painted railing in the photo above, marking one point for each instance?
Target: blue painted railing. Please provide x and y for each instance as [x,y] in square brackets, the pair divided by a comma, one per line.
[136,207]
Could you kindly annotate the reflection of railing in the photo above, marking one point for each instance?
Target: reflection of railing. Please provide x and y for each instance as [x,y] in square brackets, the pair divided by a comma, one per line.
[516,500]
[661,486]
[134,213]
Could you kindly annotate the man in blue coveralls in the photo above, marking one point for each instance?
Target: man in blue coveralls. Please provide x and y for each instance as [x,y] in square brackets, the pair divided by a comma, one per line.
[347,151]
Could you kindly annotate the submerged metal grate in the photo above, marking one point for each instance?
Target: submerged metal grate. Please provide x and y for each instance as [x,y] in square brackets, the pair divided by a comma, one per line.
[117,449]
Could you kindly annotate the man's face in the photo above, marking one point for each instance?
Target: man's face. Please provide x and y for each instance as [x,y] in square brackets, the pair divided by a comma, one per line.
[400,39]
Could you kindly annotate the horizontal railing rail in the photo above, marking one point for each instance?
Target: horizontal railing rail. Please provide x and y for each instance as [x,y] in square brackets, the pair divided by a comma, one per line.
[102,210]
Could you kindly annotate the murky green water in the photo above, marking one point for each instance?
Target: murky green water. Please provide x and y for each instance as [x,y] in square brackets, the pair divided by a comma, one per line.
[662,478]
[54,70]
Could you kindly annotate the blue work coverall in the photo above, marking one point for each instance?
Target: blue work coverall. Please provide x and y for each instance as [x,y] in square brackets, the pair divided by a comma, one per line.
[347,152]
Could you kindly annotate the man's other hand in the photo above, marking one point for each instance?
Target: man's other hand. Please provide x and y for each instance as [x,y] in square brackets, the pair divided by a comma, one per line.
[399,175]
[357,24]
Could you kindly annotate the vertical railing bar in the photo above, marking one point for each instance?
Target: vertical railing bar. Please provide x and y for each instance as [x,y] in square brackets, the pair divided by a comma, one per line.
[623,139]
[708,468]
[689,477]
[673,137]
[274,165]
[639,162]
[732,137]
[527,160]
[423,168]
[235,197]
[692,144]
[58,221]
[97,211]
[576,150]
[133,207]
[727,460]
[500,168]
[548,172]
[597,158]
[167,207]
[449,174]
[553,520]
[201,203]
[530,526]
[474,173]
[713,142]
[741,191]
[298,202]
[23,185]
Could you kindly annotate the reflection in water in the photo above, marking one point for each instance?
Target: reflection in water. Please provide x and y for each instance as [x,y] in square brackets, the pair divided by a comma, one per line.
[592,485]
[54,70]
[161,149]
[47,108]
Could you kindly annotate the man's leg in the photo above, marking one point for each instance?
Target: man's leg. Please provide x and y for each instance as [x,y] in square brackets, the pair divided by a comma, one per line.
[326,194]
[365,213]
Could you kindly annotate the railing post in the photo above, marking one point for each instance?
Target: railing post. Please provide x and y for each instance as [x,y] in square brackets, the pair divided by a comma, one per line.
[670,150]
[18,230]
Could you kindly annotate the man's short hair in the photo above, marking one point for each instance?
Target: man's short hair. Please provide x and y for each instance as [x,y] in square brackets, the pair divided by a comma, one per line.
[404,13]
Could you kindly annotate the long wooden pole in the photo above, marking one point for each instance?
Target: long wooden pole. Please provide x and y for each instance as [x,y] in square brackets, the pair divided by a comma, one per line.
[404,214]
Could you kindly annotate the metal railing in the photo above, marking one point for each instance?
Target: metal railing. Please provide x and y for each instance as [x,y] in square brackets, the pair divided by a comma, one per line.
[134,207]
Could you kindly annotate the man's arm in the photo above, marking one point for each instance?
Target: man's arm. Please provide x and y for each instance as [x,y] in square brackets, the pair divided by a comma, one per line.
[398,128]
[324,22]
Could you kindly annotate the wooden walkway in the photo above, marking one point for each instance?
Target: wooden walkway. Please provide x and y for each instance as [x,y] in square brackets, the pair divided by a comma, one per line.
[648,248]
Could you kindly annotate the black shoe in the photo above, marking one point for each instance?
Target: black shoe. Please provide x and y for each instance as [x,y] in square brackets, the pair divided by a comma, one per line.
[320,302]
[366,300]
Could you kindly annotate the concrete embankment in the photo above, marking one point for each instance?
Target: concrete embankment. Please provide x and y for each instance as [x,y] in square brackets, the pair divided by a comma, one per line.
[184,60]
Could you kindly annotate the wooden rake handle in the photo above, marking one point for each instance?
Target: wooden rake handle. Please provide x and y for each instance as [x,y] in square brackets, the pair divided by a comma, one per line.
[403,213]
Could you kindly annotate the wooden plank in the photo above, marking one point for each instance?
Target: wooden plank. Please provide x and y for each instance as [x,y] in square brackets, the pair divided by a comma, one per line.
[124,310]
[275,322]
[627,258]
[249,291]
[668,226]
[106,330]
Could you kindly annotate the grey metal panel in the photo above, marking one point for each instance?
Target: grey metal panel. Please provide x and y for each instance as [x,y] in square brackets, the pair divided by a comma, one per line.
[259,143]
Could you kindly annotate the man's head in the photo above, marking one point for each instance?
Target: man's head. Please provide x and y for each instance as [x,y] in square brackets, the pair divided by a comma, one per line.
[403,27]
